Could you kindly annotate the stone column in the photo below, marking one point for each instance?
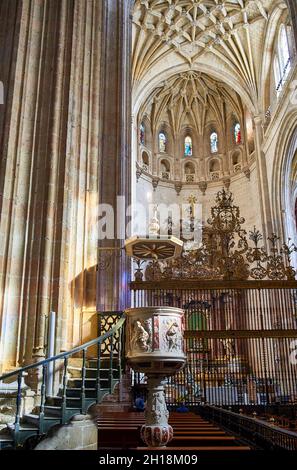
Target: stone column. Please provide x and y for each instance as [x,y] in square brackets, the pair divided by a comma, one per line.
[156,432]
[52,208]
[77,269]
[245,147]
[10,25]
[26,130]
[50,190]
[114,174]
[263,188]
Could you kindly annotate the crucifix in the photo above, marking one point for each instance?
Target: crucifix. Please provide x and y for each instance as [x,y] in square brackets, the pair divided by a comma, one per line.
[192,201]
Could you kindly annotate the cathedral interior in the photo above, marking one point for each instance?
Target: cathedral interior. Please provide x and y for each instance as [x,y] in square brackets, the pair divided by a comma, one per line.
[148,224]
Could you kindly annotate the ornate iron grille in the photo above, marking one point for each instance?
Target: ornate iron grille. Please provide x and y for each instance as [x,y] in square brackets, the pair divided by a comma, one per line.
[239,340]
[107,320]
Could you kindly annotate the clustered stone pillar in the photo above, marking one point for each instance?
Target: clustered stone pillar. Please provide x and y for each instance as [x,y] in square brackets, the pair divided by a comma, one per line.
[49,179]
[262,179]
[155,347]
[115,175]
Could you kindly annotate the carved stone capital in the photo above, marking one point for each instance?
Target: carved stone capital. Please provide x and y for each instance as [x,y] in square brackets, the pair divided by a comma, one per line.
[227,182]
[178,187]
[202,186]
[155,182]
[247,172]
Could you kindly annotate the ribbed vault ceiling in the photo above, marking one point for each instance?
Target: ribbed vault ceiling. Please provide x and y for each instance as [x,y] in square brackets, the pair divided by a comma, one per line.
[191,94]
[228,36]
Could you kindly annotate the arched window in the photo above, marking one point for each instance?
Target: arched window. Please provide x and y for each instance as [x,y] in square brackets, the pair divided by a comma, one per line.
[237,133]
[141,134]
[213,142]
[188,146]
[282,61]
[162,142]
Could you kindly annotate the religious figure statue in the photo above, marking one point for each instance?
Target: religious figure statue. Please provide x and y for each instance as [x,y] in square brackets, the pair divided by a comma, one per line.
[142,335]
[169,225]
[173,336]
[228,347]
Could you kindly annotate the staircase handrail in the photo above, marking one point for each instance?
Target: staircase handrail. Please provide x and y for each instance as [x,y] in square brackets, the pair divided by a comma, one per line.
[98,340]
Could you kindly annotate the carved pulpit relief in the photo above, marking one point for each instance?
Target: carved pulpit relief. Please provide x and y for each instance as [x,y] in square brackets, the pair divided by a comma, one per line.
[141,340]
[172,336]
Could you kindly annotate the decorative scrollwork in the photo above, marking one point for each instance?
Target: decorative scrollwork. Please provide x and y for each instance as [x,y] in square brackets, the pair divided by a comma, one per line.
[225,252]
[106,322]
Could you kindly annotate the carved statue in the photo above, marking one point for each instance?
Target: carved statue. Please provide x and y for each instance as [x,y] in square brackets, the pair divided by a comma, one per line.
[142,335]
[173,336]
[228,347]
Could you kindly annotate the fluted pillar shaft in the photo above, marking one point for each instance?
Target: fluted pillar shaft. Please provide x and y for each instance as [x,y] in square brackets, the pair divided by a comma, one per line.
[50,190]
[114,175]
[262,180]
[17,193]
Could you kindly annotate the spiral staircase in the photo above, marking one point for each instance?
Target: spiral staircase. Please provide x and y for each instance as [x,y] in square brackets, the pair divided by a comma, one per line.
[84,382]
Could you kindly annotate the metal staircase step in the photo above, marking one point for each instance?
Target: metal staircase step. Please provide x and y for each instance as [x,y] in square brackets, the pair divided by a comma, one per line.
[24,427]
[89,381]
[55,411]
[73,392]
[32,418]
[70,401]
[6,442]
[105,363]
[51,410]
[25,431]
[104,373]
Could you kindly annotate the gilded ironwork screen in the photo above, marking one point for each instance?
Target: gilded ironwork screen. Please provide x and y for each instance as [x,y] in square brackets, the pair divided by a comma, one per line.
[240,340]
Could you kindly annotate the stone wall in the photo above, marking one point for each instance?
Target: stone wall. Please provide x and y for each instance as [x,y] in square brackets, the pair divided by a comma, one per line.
[245,192]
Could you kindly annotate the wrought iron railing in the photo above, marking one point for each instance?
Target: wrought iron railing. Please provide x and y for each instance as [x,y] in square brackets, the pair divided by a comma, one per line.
[239,338]
[96,378]
[255,430]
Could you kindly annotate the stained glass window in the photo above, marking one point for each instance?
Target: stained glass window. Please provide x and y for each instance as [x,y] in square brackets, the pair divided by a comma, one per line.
[162,142]
[141,133]
[188,146]
[213,142]
[237,133]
